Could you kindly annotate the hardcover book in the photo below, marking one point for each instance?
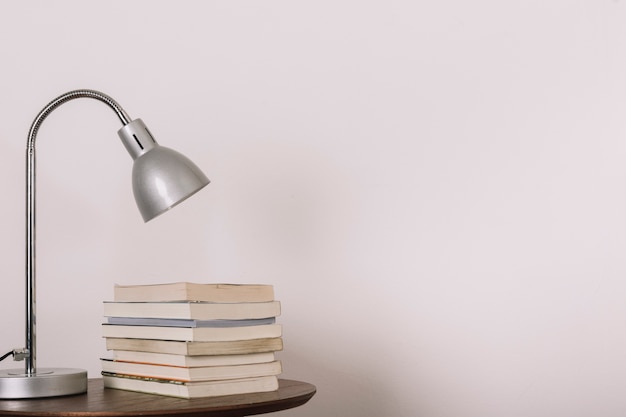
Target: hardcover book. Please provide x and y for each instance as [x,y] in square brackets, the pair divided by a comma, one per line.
[193,310]
[188,291]
[193,334]
[190,361]
[191,389]
[187,374]
[235,347]
[141,321]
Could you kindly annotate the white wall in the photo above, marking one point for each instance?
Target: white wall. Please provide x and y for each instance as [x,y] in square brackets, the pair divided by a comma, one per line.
[435,189]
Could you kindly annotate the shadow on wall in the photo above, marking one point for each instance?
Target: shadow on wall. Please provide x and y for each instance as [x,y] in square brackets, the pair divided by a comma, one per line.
[285,204]
[343,389]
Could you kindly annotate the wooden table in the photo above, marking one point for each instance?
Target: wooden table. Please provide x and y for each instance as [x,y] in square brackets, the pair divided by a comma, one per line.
[101,402]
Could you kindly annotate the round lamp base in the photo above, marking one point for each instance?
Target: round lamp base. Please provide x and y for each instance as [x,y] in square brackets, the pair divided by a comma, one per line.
[46,382]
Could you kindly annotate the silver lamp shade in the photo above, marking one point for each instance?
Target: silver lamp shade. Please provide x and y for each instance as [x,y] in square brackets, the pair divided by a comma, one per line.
[162,177]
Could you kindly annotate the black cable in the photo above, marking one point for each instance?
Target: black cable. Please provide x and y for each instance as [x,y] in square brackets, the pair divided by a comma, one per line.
[6,355]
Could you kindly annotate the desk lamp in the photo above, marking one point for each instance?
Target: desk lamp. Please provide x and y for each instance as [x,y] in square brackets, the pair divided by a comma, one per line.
[161,179]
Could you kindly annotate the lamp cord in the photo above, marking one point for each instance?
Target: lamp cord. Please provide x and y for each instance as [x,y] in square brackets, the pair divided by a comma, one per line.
[6,355]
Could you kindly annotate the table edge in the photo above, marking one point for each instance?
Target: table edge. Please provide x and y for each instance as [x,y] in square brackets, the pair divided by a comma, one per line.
[224,410]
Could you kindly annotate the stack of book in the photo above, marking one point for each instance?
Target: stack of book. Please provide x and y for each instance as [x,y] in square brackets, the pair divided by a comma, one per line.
[192,340]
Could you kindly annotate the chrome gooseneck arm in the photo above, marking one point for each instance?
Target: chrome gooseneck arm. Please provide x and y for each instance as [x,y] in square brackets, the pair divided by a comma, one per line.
[31,335]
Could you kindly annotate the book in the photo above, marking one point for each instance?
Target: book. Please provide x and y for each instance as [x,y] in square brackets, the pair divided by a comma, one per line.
[193,334]
[141,321]
[191,389]
[187,374]
[190,361]
[188,291]
[237,347]
[193,310]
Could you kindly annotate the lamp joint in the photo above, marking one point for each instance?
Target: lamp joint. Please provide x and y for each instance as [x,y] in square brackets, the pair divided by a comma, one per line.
[20,354]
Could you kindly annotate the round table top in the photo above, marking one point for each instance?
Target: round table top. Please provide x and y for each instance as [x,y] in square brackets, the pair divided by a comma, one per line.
[105,402]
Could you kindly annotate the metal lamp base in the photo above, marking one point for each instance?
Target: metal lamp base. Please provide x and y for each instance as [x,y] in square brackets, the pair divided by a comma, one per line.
[46,382]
